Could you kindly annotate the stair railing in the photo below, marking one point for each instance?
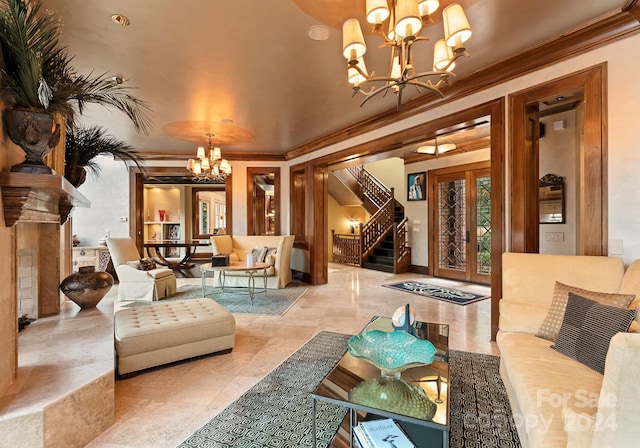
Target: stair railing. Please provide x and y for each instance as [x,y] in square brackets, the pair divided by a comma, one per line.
[400,249]
[376,228]
[346,248]
[372,188]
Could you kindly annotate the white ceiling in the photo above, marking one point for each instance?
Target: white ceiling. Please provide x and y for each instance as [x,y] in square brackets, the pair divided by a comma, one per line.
[251,61]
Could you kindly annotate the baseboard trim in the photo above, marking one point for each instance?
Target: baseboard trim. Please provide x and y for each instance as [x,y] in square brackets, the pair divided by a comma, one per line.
[415,269]
[300,276]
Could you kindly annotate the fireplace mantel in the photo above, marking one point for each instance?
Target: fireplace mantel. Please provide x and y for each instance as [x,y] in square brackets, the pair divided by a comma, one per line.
[28,197]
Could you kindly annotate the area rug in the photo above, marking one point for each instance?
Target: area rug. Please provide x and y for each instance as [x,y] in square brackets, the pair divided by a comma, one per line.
[276,412]
[438,292]
[237,301]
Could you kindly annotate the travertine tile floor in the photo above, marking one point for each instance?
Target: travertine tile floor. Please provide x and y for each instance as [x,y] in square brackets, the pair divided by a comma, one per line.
[163,406]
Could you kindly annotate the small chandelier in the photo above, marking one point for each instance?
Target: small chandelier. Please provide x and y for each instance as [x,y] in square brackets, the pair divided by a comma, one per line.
[407,19]
[211,167]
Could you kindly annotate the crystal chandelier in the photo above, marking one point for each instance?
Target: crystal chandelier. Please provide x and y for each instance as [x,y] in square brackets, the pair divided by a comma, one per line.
[211,167]
[406,20]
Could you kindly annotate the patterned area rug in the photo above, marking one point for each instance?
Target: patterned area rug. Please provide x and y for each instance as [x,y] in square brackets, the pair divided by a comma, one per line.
[276,412]
[438,292]
[237,301]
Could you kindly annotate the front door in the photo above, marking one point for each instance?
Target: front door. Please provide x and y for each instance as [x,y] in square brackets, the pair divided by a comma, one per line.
[460,222]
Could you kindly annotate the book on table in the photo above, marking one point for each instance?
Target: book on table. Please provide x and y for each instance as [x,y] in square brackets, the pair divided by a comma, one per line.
[382,433]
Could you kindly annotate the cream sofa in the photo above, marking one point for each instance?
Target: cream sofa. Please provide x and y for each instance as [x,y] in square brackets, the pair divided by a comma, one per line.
[557,401]
[240,246]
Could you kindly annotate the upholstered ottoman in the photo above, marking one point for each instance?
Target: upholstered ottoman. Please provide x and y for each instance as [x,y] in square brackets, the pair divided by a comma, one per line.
[164,332]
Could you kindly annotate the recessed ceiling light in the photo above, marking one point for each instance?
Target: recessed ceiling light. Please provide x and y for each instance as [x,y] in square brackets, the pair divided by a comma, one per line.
[226,121]
[121,19]
[318,32]
[118,79]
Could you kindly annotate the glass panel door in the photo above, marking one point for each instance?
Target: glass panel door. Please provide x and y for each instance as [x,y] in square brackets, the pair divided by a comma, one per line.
[461,211]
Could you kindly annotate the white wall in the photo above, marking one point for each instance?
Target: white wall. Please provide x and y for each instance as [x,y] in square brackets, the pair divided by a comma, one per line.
[109,196]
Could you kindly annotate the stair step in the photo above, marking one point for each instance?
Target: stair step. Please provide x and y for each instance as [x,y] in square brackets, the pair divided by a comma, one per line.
[378,259]
[384,252]
[377,267]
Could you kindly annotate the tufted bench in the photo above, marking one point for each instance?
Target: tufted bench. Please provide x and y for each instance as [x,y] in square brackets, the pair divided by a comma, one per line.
[164,332]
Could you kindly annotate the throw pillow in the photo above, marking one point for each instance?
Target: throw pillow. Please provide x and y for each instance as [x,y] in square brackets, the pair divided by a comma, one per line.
[552,323]
[258,254]
[134,264]
[270,255]
[587,329]
[147,265]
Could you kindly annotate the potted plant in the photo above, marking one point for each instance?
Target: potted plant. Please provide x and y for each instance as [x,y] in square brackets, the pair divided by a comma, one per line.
[38,83]
[82,145]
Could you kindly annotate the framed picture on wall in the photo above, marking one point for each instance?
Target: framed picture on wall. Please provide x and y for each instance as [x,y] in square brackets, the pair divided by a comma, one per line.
[416,186]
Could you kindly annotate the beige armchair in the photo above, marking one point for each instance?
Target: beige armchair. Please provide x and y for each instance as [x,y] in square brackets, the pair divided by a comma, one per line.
[134,283]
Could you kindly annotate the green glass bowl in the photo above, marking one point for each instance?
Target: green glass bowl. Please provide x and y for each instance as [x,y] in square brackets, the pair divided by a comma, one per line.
[391,352]
[396,396]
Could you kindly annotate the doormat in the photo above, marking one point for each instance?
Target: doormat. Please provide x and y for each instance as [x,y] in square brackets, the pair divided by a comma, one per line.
[438,292]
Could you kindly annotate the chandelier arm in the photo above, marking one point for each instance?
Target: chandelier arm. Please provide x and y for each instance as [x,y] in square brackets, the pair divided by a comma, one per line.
[428,86]
[374,93]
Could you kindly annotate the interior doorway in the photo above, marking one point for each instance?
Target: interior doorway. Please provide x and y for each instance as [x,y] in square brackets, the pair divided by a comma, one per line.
[460,222]
[591,231]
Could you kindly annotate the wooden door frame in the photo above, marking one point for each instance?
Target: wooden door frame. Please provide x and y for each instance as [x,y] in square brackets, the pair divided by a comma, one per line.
[317,171]
[136,195]
[252,171]
[432,200]
[592,238]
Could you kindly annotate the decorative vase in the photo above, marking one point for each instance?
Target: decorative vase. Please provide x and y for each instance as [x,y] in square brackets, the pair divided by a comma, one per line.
[76,175]
[87,286]
[162,214]
[36,134]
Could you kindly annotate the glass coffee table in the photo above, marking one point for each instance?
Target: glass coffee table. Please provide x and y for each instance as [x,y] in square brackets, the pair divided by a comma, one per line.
[433,379]
[238,266]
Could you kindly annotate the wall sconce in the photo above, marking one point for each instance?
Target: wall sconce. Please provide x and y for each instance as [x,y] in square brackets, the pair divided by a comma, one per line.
[353,223]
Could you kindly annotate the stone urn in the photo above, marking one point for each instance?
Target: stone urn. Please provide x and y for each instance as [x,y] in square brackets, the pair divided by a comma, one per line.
[87,286]
[36,134]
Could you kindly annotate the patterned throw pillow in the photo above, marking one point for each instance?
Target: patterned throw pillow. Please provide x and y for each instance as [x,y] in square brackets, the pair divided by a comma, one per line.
[552,323]
[587,329]
[147,265]
[258,254]
[270,255]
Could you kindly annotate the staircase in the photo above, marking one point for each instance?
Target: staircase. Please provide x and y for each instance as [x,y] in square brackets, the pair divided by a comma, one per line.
[382,243]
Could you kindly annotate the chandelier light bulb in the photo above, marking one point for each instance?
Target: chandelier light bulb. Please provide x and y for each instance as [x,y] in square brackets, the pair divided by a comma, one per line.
[354,76]
[353,46]
[442,57]
[408,21]
[456,26]
[428,7]
[377,11]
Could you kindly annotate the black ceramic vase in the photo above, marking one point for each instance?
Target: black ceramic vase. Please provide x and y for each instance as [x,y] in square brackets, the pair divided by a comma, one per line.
[36,134]
[87,287]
